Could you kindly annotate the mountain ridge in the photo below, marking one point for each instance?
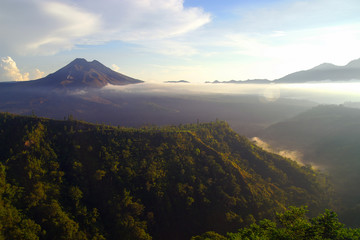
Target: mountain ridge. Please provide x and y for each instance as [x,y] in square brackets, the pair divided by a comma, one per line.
[325,72]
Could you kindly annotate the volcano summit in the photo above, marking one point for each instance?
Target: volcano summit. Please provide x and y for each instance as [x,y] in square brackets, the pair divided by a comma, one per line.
[83,74]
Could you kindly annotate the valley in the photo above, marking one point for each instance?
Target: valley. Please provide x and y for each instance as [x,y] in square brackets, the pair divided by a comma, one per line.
[328,137]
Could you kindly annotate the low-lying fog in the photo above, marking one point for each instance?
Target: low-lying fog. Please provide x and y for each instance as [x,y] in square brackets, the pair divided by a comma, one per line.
[327,140]
[323,93]
[319,93]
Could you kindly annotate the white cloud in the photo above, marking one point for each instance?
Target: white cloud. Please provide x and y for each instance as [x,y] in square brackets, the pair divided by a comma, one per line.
[46,27]
[280,37]
[139,20]
[10,72]
[68,25]
[37,74]
[115,67]
[315,29]
[43,27]
[297,50]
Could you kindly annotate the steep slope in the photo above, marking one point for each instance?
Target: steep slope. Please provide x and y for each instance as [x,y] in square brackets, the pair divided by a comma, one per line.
[317,124]
[325,72]
[328,136]
[73,180]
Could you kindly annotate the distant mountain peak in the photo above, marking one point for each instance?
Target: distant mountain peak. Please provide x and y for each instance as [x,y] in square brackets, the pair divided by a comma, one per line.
[325,66]
[179,81]
[79,60]
[354,64]
[83,74]
[325,72]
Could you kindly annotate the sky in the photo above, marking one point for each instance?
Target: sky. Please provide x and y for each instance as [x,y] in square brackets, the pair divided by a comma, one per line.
[169,40]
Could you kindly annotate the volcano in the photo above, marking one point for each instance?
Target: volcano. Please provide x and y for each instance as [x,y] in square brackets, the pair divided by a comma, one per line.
[81,74]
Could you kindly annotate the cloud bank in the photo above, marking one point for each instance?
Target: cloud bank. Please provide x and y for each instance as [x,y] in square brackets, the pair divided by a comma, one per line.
[47,27]
[9,72]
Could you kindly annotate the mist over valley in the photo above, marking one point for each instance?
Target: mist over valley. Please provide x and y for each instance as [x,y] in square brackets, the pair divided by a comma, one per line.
[181,120]
[245,144]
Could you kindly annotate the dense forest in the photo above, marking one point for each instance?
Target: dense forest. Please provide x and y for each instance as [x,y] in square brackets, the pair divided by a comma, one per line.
[74,180]
[292,224]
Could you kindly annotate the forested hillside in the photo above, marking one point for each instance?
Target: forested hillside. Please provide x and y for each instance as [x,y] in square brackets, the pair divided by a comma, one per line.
[74,180]
[292,224]
[328,136]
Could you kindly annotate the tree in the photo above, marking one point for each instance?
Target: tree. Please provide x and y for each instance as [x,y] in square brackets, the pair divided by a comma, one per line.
[209,236]
[294,224]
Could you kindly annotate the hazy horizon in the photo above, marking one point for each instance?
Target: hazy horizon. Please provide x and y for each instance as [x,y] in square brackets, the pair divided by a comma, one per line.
[321,93]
